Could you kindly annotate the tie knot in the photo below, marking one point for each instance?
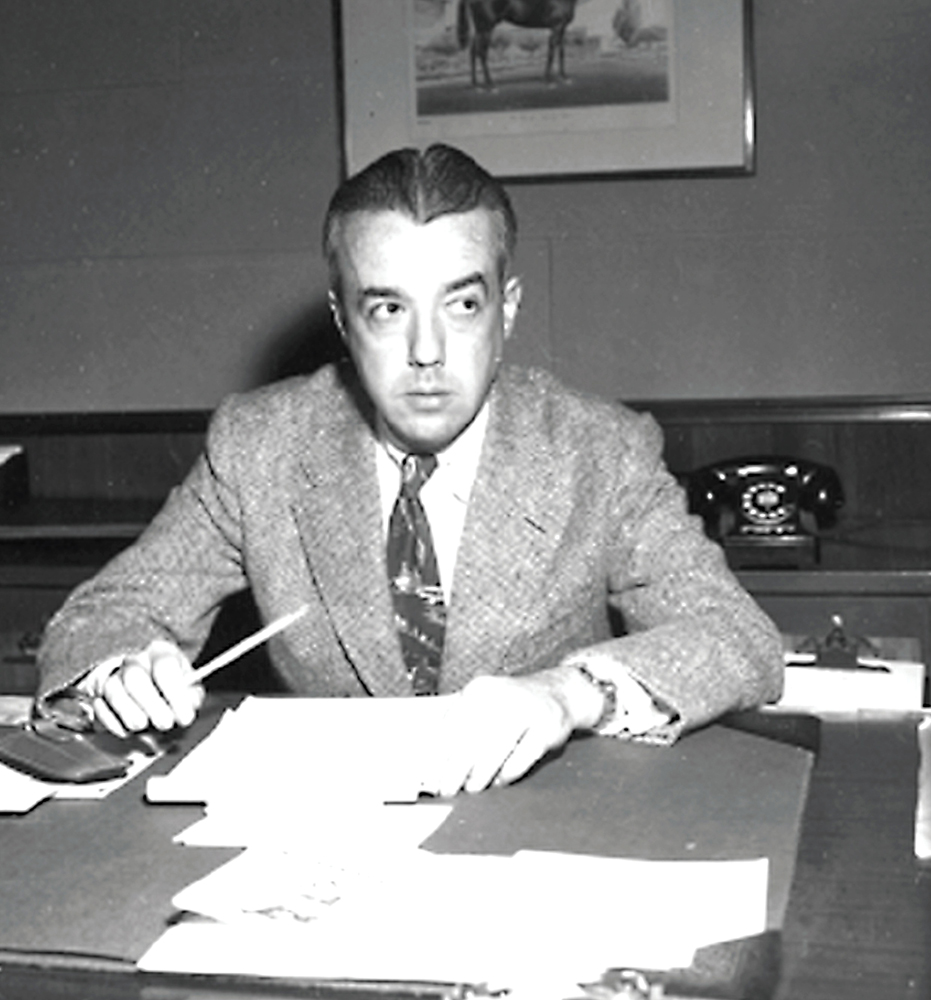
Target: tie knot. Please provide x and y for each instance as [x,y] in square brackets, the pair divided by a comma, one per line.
[415,471]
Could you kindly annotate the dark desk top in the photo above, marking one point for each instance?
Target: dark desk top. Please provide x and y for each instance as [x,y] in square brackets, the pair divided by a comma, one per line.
[857,925]
[91,882]
[859,918]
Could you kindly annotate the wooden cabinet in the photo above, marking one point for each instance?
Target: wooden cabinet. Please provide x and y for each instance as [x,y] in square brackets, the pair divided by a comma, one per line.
[870,604]
[877,578]
[47,547]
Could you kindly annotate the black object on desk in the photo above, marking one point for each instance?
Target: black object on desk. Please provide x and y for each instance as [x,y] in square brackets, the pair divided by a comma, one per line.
[55,754]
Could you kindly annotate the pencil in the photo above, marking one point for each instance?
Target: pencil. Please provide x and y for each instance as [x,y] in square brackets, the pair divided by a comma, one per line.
[250,642]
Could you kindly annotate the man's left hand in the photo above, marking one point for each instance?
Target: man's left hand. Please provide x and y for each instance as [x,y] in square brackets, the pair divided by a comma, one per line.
[499,727]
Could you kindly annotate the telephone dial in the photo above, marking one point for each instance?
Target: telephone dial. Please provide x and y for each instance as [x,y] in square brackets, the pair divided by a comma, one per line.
[766,508]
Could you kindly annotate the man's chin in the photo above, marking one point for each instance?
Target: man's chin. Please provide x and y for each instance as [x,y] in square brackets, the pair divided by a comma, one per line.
[425,435]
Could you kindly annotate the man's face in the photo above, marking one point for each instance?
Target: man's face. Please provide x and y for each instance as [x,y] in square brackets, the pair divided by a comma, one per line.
[424,314]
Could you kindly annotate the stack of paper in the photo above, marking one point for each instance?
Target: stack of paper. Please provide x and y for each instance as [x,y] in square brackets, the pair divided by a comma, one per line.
[332,883]
[876,684]
[535,917]
[272,749]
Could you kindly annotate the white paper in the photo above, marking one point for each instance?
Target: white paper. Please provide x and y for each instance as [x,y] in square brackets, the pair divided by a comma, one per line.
[271,749]
[15,709]
[544,916]
[331,885]
[323,826]
[19,792]
[830,691]
[923,810]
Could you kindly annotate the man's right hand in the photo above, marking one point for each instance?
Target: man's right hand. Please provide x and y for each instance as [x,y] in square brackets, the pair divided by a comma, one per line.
[151,688]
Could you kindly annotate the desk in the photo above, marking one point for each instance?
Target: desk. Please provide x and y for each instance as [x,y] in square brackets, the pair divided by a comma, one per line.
[858,921]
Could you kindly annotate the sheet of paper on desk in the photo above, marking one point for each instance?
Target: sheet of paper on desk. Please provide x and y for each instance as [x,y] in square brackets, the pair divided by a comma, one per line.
[19,792]
[269,749]
[555,919]
[326,826]
[883,685]
[923,808]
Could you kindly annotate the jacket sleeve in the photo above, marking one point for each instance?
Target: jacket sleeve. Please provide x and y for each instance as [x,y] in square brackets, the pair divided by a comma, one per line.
[169,584]
[695,639]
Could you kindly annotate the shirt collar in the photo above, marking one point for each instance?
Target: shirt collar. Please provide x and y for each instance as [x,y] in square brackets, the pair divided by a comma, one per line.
[460,455]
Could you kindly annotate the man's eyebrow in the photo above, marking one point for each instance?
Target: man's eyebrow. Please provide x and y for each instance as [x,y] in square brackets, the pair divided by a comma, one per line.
[475,278]
[379,292]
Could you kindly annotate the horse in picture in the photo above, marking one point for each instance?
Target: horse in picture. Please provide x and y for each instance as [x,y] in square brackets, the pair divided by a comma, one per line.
[476,20]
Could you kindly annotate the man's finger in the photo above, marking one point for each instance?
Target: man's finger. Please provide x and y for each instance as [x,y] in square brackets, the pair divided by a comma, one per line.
[123,704]
[522,758]
[105,716]
[450,759]
[138,681]
[172,675]
[494,753]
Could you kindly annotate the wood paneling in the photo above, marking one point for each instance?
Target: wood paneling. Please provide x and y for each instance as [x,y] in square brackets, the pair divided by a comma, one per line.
[881,448]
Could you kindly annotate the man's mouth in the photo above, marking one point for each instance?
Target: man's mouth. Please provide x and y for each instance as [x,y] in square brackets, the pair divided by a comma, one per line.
[427,399]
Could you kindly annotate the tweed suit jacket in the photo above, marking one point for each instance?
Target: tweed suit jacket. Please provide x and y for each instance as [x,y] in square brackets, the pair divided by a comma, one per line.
[572,514]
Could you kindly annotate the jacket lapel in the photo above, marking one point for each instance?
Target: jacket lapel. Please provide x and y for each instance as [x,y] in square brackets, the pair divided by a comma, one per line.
[517,511]
[339,519]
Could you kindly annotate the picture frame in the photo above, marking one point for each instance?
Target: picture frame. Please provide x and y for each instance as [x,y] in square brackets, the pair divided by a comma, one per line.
[672,95]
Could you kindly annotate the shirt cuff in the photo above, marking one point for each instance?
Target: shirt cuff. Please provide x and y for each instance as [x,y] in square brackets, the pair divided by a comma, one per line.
[636,714]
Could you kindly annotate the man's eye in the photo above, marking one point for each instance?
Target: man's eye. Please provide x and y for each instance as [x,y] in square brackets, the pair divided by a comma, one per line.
[383,312]
[466,305]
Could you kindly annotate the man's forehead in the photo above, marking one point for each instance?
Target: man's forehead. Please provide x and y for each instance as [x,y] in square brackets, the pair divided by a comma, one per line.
[366,231]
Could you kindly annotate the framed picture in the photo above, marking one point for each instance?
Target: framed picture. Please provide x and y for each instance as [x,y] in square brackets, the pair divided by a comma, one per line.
[611,86]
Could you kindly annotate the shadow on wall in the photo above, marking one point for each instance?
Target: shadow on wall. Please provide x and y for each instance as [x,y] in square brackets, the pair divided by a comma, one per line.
[306,344]
[310,341]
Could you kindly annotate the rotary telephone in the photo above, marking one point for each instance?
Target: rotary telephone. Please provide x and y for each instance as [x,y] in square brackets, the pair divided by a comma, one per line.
[766,501]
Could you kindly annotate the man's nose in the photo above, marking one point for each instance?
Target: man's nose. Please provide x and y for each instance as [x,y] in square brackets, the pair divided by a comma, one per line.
[427,345]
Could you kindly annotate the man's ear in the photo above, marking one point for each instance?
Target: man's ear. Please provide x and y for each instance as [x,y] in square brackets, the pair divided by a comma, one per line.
[513,291]
[336,311]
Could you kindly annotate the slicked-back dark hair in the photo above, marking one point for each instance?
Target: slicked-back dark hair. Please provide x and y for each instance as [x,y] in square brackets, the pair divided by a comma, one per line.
[423,185]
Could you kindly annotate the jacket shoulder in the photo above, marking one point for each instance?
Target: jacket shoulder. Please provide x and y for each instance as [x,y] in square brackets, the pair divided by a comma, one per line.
[275,414]
[572,418]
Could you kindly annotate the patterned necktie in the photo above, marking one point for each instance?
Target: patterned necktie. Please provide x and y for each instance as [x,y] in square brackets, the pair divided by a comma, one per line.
[414,579]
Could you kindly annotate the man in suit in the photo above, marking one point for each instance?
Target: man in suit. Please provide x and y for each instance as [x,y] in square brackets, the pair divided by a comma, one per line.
[452,524]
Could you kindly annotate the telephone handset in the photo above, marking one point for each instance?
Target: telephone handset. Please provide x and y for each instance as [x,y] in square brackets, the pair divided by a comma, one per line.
[765,498]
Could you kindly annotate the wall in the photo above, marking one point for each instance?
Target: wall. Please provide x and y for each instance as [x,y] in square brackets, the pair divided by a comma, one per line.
[163,171]
[164,168]
[809,277]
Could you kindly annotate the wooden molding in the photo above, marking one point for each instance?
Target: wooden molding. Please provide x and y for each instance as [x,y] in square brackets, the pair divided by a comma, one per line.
[121,422]
[787,410]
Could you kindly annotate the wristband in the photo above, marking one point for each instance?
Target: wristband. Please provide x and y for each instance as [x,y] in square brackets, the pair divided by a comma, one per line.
[608,691]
